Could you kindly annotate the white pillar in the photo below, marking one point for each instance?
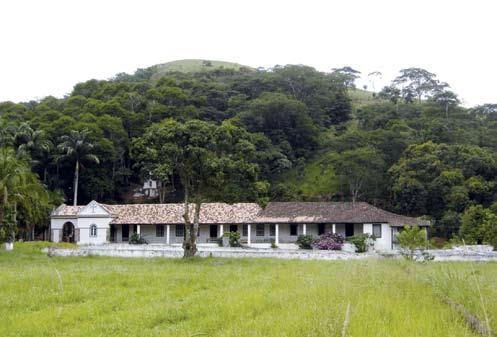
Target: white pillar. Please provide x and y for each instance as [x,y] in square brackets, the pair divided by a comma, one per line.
[277,230]
[167,233]
[334,228]
[138,229]
[304,229]
[221,231]
[249,230]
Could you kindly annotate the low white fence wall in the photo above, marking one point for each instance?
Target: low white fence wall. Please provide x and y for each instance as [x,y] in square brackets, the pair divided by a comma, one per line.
[468,253]
[125,250]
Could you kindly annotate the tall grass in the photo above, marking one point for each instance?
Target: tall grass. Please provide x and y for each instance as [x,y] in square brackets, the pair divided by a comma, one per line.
[42,296]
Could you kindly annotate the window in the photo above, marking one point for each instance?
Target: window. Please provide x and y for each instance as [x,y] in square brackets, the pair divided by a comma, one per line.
[377,230]
[233,228]
[293,230]
[159,231]
[180,230]
[321,228]
[349,230]
[272,230]
[93,230]
[245,230]
[259,230]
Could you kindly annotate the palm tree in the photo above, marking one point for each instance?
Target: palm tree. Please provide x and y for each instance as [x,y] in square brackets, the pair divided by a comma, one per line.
[33,145]
[77,148]
[29,141]
[20,189]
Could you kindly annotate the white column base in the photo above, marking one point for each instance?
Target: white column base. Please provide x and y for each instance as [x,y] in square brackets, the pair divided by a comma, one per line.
[9,246]
[277,238]
[221,231]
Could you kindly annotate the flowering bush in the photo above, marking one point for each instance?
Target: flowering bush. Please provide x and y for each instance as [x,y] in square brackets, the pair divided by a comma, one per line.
[329,241]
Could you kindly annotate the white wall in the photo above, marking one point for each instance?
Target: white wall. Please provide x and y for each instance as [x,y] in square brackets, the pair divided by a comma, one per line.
[84,230]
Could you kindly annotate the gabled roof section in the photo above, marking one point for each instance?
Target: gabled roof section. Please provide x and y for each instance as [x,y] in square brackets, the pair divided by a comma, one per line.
[65,211]
[94,209]
[332,212]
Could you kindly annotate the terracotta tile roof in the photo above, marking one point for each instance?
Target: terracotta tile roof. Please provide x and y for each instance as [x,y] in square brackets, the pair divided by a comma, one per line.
[173,213]
[64,210]
[331,212]
[275,212]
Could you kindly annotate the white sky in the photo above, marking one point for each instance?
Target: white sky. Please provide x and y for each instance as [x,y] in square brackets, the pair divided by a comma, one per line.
[48,46]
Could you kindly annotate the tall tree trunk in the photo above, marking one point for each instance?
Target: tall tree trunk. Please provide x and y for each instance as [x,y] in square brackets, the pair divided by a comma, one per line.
[190,237]
[9,245]
[76,181]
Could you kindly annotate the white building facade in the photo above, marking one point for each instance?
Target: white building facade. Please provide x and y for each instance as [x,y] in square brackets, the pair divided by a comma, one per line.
[279,223]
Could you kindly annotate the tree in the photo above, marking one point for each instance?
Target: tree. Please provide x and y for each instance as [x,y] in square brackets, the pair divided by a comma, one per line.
[416,80]
[412,238]
[212,162]
[359,169]
[446,98]
[391,93]
[283,120]
[347,75]
[77,148]
[20,192]
[479,226]
[373,77]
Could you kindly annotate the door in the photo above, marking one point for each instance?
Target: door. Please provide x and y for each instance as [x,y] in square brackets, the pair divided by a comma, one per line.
[349,229]
[125,233]
[233,228]
[68,232]
[112,233]
[213,231]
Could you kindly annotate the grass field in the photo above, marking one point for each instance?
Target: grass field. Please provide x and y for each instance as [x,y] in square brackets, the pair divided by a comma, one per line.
[42,296]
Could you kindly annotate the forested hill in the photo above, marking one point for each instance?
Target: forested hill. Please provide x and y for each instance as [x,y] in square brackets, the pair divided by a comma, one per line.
[410,148]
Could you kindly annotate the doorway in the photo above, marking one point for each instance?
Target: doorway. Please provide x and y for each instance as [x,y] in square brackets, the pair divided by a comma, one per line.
[233,228]
[112,233]
[349,229]
[125,233]
[68,232]
[213,231]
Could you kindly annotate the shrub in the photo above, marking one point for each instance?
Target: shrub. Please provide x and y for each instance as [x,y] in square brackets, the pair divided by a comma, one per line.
[329,241]
[273,244]
[362,242]
[220,242]
[136,239]
[305,241]
[233,238]
[412,239]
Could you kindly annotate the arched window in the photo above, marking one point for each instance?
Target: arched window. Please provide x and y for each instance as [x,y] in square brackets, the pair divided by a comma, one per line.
[93,230]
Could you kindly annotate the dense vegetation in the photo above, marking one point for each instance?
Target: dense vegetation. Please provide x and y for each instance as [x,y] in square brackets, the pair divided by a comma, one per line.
[109,296]
[302,135]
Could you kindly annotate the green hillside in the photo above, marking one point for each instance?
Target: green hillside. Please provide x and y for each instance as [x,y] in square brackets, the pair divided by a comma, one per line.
[194,65]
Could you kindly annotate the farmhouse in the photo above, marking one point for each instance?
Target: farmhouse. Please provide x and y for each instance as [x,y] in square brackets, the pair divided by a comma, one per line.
[278,222]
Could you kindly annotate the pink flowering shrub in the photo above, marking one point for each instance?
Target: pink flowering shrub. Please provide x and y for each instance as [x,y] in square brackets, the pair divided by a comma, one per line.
[329,241]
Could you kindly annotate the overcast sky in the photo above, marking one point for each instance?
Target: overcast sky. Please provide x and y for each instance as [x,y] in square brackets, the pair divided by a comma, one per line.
[48,46]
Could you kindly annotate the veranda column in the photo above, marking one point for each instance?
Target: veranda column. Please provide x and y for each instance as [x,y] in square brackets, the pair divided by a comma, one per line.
[334,228]
[277,232]
[304,229]
[167,233]
[221,231]
[138,230]
[249,230]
